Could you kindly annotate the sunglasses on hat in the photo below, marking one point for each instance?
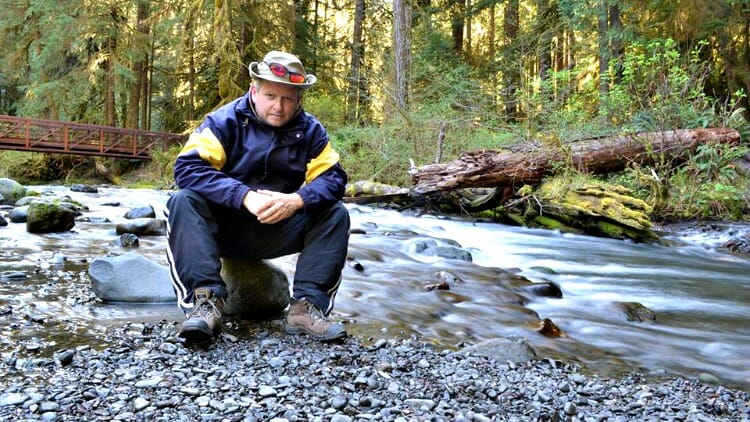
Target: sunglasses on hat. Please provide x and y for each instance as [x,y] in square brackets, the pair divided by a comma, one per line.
[281,71]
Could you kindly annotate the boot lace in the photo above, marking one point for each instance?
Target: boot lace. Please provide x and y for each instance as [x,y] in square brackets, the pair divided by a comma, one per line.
[315,314]
[205,308]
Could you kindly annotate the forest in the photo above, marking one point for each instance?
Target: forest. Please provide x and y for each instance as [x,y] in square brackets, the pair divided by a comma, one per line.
[404,83]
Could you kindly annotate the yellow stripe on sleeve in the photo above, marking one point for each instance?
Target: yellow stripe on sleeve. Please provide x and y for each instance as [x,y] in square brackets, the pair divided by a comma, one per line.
[325,160]
[208,146]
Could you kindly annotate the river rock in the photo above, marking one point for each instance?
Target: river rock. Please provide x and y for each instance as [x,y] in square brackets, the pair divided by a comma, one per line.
[127,240]
[26,200]
[19,214]
[544,289]
[11,191]
[636,312]
[738,245]
[503,349]
[49,218]
[131,278]
[141,212]
[84,188]
[143,227]
[447,248]
[257,289]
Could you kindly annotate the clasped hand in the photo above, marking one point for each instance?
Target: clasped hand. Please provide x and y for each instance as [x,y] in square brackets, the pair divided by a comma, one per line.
[271,207]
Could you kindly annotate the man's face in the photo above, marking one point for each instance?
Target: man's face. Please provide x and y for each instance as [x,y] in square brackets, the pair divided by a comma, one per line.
[275,103]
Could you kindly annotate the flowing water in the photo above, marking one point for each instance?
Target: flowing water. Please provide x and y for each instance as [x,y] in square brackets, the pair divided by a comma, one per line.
[700,294]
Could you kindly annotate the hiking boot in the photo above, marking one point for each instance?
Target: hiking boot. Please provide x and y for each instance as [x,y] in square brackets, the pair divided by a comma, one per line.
[203,323]
[304,317]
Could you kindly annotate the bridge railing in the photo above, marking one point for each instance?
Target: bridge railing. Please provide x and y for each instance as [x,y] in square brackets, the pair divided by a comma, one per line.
[21,133]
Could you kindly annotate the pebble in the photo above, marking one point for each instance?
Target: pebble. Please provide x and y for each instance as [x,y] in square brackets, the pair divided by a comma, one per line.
[272,376]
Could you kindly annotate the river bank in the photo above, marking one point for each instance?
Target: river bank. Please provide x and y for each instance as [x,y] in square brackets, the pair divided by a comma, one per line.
[261,374]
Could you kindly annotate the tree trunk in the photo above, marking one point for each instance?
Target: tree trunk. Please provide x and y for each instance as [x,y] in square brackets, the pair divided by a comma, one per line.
[544,32]
[469,54]
[140,68]
[617,51]
[401,52]
[512,74]
[458,13]
[190,50]
[357,56]
[603,48]
[109,87]
[488,168]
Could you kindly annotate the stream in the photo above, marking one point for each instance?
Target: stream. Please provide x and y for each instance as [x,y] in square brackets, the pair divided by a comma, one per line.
[699,293]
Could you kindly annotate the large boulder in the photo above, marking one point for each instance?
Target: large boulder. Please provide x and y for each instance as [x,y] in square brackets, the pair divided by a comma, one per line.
[131,278]
[11,191]
[49,218]
[256,288]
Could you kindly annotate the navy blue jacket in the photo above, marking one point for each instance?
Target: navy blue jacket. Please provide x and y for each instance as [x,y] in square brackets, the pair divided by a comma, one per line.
[233,152]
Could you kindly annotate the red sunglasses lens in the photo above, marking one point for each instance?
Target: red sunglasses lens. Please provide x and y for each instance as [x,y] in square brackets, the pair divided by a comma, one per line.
[280,70]
[296,78]
[277,69]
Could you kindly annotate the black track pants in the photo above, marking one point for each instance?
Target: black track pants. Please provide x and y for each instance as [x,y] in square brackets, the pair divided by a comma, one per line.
[200,232]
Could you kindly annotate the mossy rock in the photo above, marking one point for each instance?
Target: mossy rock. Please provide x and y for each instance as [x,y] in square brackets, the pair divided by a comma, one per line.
[49,218]
[11,191]
[590,207]
[613,202]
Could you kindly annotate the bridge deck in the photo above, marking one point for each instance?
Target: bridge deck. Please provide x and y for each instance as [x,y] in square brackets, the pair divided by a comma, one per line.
[26,134]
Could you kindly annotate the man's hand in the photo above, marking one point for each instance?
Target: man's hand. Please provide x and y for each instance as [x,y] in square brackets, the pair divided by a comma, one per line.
[271,207]
[254,200]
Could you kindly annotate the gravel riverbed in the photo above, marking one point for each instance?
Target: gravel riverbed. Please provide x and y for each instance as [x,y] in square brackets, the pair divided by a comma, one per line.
[255,372]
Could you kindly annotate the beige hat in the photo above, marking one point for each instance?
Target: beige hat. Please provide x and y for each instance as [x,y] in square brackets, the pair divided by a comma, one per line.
[284,68]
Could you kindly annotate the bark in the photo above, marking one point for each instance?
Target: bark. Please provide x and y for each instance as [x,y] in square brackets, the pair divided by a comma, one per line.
[354,93]
[543,24]
[491,42]
[402,17]
[458,13]
[512,73]
[603,48]
[109,87]
[468,52]
[505,168]
[140,69]
[617,50]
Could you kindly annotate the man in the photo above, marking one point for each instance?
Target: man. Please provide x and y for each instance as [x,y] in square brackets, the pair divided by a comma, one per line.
[259,179]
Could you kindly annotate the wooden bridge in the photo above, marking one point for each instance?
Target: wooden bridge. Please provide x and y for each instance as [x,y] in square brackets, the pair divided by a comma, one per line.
[51,136]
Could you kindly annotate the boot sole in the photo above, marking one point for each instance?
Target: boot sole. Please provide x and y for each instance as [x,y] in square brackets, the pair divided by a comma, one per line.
[197,336]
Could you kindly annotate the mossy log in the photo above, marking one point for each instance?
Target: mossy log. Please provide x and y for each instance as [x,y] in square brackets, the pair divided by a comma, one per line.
[368,192]
[506,168]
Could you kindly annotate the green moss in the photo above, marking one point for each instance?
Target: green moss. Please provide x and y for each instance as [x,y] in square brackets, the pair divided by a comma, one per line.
[516,218]
[584,204]
[551,223]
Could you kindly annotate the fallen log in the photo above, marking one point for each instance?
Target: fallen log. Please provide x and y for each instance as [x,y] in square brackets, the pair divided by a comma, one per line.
[368,192]
[506,168]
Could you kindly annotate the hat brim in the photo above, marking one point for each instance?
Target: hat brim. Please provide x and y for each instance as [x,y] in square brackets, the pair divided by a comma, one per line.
[310,79]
